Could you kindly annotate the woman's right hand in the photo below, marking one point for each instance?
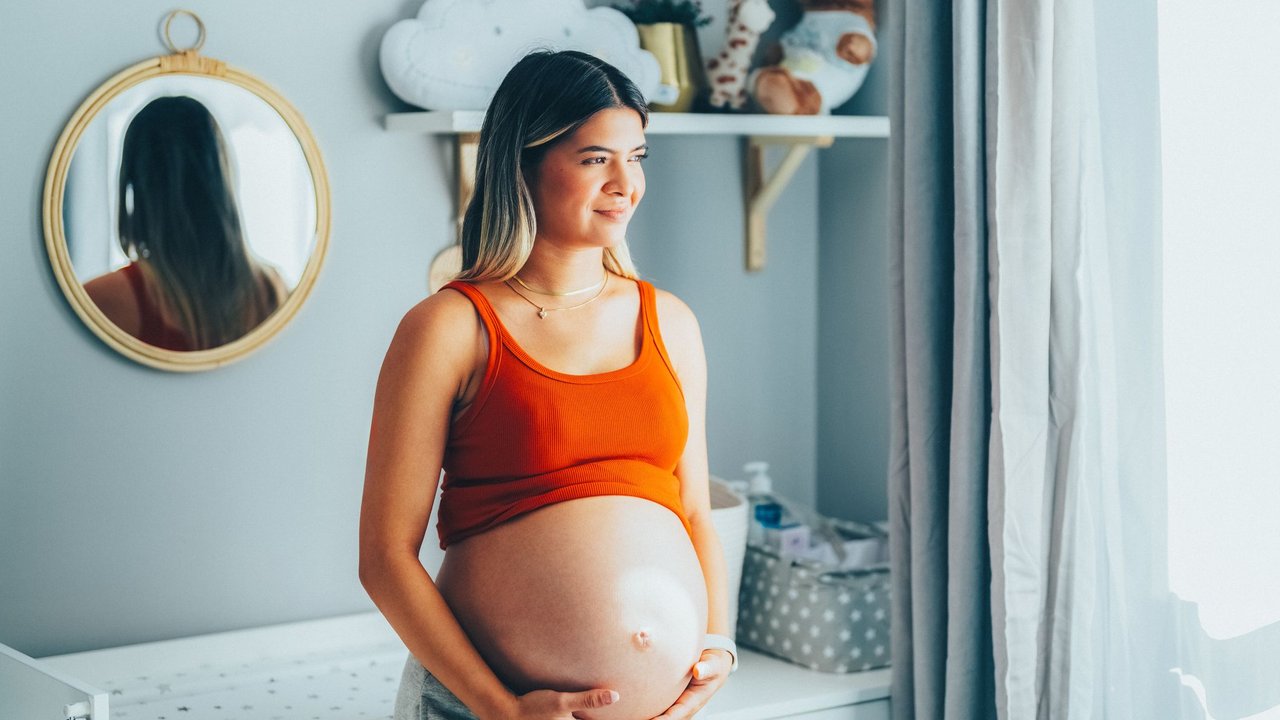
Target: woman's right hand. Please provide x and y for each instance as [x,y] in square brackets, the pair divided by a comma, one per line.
[553,705]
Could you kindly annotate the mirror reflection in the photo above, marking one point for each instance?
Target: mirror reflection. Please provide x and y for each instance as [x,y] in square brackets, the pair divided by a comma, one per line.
[189,211]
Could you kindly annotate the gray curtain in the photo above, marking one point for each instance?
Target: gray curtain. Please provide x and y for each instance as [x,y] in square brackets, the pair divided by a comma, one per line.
[940,399]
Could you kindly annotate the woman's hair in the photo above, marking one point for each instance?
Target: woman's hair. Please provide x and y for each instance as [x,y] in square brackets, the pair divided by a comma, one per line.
[545,97]
[178,212]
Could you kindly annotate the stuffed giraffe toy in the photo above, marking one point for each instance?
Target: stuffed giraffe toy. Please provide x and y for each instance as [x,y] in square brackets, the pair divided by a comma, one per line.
[748,19]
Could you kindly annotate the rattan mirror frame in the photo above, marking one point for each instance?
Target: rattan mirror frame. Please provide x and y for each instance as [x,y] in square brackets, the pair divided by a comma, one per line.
[187,62]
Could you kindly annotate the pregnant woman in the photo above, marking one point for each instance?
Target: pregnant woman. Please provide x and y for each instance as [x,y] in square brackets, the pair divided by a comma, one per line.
[564,399]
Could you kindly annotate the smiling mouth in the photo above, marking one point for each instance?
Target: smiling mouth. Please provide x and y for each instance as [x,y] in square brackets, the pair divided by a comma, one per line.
[613,214]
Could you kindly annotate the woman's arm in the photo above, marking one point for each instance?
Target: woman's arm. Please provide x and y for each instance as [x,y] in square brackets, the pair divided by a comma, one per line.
[425,371]
[685,347]
[426,366]
[683,340]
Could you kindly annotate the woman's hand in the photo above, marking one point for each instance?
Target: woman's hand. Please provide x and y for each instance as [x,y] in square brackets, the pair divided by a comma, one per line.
[710,672]
[553,705]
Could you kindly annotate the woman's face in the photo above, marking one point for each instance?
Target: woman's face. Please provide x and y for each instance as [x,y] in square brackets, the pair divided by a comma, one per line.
[589,183]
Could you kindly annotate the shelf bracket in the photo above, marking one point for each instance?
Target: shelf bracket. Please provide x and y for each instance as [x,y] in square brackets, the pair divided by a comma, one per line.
[761,192]
[448,262]
[464,170]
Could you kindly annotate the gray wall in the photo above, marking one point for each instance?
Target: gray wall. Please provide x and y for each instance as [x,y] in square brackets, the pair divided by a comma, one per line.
[853,312]
[138,505]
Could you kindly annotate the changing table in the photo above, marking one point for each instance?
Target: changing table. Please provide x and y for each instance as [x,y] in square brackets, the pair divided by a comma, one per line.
[348,668]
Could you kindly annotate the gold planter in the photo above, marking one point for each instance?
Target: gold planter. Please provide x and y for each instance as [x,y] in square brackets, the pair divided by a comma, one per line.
[676,47]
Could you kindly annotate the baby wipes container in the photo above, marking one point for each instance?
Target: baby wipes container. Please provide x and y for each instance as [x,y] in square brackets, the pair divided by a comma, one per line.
[729,516]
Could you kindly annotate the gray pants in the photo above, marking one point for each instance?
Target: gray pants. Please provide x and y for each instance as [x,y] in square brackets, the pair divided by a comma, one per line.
[423,697]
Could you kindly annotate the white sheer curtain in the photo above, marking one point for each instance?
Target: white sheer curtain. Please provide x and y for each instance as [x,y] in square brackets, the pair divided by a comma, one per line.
[1086,620]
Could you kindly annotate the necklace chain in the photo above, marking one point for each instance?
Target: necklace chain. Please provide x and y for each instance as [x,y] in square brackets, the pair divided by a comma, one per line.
[561,294]
[542,311]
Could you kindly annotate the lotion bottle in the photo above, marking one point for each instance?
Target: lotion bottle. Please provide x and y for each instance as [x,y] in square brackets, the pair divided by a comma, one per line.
[762,510]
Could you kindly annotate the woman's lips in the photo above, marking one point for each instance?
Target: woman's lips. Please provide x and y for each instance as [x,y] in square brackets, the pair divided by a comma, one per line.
[614,215]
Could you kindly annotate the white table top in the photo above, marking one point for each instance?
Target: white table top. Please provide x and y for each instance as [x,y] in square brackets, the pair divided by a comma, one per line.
[349,667]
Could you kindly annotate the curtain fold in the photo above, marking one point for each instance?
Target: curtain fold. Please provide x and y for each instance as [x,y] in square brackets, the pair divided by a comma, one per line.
[1076,476]
[942,648]
[1028,490]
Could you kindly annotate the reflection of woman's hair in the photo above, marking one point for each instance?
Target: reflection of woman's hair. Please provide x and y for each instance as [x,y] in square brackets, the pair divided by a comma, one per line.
[547,95]
[178,212]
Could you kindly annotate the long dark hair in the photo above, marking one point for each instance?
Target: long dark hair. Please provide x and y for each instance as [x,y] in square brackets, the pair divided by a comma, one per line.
[546,96]
[178,213]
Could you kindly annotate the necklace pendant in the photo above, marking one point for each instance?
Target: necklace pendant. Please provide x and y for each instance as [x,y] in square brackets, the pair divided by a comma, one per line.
[542,312]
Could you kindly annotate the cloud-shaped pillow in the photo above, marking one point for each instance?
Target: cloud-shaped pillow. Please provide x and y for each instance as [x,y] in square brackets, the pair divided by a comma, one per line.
[455,53]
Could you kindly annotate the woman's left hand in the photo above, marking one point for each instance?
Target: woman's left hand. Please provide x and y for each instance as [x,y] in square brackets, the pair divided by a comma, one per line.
[710,672]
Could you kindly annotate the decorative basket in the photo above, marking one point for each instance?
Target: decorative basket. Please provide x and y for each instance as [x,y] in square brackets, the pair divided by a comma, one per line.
[810,614]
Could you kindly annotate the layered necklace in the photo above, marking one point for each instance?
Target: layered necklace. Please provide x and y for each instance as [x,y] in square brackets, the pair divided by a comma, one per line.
[542,310]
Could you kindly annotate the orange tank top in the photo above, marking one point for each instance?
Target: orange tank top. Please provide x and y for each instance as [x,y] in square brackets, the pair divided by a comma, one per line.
[534,436]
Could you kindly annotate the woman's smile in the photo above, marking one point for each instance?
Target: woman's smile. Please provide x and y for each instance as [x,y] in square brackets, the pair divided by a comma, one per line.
[619,215]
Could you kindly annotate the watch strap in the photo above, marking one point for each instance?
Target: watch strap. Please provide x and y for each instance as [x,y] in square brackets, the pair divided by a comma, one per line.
[721,642]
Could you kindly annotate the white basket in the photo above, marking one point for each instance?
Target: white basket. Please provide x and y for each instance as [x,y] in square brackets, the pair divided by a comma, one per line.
[729,516]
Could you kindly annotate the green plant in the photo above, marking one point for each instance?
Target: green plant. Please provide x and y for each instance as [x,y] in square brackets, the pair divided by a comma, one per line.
[685,12]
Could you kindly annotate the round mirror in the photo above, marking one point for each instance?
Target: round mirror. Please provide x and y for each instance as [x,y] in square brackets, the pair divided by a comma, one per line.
[186,212]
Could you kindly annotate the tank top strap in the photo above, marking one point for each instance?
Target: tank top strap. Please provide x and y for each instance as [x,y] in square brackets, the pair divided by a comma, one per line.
[649,307]
[492,325]
[493,330]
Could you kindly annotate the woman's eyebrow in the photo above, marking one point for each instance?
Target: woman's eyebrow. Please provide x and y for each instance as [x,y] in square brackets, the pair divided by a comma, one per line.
[598,148]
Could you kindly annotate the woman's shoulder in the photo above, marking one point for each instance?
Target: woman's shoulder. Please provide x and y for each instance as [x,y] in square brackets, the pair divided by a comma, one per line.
[443,322]
[444,311]
[676,319]
[672,306]
[113,293]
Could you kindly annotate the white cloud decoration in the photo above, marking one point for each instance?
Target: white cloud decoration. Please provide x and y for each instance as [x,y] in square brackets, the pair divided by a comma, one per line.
[454,54]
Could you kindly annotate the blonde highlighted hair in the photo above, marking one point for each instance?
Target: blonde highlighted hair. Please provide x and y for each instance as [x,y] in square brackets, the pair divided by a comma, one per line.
[545,97]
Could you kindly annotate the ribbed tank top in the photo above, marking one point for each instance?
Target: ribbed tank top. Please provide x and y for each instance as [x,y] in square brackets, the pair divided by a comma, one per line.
[534,436]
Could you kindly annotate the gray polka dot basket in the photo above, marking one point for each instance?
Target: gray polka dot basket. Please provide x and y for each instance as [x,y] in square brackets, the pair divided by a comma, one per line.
[812,614]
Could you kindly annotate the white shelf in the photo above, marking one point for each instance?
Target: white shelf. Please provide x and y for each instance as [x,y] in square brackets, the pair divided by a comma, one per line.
[765,688]
[800,133]
[660,123]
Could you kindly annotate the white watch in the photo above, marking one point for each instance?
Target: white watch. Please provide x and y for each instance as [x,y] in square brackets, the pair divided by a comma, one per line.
[720,642]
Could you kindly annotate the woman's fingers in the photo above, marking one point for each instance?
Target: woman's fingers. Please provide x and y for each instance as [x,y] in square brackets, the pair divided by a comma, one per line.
[709,674]
[712,664]
[587,700]
[553,704]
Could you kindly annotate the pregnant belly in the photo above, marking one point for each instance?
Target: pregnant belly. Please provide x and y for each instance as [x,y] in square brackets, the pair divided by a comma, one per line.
[598,592]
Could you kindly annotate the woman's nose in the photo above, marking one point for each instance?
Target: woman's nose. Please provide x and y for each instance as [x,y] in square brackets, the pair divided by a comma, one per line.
[620,182]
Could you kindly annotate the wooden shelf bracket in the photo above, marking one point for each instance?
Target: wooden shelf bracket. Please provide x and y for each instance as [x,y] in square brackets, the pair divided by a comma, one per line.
[762,192]
[464,171]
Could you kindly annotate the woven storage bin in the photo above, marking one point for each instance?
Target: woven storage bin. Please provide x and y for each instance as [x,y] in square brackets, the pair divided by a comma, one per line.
[811,615]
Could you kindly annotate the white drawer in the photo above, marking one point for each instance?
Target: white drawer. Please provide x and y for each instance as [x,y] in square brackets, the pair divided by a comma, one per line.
[30,688]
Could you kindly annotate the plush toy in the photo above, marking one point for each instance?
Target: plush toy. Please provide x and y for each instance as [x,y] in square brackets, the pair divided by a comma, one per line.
[748,19]
[824,59]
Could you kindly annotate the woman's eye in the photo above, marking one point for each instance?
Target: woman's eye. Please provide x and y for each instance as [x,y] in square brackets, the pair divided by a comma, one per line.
[603,160]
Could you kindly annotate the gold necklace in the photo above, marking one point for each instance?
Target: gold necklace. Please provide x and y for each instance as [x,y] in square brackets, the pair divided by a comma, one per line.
[542,311]
[561,294]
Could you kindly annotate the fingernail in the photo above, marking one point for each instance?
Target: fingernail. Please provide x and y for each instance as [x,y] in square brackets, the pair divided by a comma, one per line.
[699,670]
[613,696]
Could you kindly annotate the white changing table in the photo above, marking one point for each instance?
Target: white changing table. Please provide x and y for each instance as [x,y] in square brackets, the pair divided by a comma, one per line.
[348,668]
